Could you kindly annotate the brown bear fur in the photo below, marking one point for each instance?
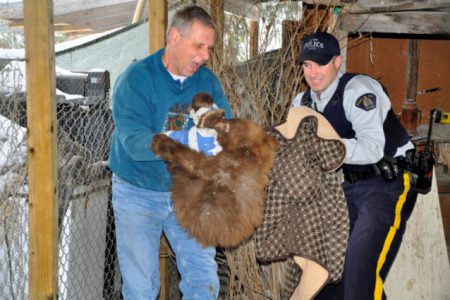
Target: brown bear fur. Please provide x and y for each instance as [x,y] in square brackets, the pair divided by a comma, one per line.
[220,199]
[211,118]
[201,100]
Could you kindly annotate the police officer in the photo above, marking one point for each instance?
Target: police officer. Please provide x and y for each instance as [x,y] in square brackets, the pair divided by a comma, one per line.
[380,195]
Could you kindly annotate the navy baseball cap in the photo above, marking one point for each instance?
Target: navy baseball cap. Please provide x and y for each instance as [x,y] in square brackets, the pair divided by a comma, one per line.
[320,47]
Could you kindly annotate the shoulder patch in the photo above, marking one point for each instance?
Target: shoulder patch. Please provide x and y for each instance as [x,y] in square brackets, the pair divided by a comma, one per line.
[367,102]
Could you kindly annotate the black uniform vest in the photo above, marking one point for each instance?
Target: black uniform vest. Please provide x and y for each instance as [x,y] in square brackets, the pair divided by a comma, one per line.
[394,132]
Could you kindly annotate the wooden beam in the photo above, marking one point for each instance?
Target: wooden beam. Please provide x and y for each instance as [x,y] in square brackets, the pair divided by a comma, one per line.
[90,17]
[90,20]
[157,24]
[375,6]
[413,69]
[164,268]
[217,12]
[157,27]
[254,37]
[342,37]
[322,2]
[370,6]
[42,150]
[138,12]
[419,22]
[98,19]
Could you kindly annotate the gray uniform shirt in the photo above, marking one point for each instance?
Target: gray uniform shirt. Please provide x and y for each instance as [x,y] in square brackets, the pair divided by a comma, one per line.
[367,147]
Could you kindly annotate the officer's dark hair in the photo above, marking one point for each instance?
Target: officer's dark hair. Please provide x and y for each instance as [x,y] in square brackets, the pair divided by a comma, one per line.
[183,19]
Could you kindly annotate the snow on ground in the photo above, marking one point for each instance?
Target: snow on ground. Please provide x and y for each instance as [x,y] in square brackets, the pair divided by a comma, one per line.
[13,79]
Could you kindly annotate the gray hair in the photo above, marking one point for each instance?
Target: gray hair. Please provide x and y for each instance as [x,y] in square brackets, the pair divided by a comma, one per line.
[183,19]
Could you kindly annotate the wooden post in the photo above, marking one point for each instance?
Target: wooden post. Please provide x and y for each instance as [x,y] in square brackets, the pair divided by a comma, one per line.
[413,69]
[254,37]
[157,24]
[42,150]
[342,37]
[217,12]
[164,270]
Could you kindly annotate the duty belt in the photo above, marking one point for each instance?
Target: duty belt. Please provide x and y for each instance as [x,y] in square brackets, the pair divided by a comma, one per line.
[386,169]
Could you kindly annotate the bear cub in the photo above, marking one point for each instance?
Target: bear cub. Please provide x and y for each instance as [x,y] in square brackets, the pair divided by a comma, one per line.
[220,199]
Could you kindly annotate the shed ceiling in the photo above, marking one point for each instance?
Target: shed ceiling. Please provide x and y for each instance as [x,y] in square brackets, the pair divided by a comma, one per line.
[389,16]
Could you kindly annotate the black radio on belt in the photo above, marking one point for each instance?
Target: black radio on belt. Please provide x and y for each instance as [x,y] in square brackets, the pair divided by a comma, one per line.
[420,164]
[420,161]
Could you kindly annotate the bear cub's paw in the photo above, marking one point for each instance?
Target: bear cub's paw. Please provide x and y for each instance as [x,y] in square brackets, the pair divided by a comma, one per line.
[163,146]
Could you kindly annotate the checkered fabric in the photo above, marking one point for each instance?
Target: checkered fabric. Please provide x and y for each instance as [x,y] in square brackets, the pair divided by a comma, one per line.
[306,213]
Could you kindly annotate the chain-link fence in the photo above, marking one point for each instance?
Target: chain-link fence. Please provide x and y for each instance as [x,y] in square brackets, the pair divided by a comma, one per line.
[87,268]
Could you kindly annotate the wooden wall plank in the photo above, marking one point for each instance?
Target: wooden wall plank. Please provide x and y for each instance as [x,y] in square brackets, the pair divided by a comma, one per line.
[42,149]
[421,269]
[402,22]
[377,6]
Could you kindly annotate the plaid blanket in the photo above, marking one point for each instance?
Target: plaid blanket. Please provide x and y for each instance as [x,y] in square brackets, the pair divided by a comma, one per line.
[306,213]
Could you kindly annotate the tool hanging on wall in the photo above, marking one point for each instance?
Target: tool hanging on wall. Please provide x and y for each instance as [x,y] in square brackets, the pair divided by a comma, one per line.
[411,114]
[442,117]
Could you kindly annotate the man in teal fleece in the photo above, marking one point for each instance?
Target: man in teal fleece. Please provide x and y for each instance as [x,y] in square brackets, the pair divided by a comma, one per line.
[151,96]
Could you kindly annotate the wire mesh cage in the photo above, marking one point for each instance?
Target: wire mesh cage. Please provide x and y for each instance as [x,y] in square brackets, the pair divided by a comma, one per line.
[86,243]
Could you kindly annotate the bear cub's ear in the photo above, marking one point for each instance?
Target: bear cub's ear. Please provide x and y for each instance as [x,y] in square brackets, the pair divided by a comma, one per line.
[211,118]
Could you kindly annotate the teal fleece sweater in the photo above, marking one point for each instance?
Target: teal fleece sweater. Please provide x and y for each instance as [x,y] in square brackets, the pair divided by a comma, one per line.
[147,101]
